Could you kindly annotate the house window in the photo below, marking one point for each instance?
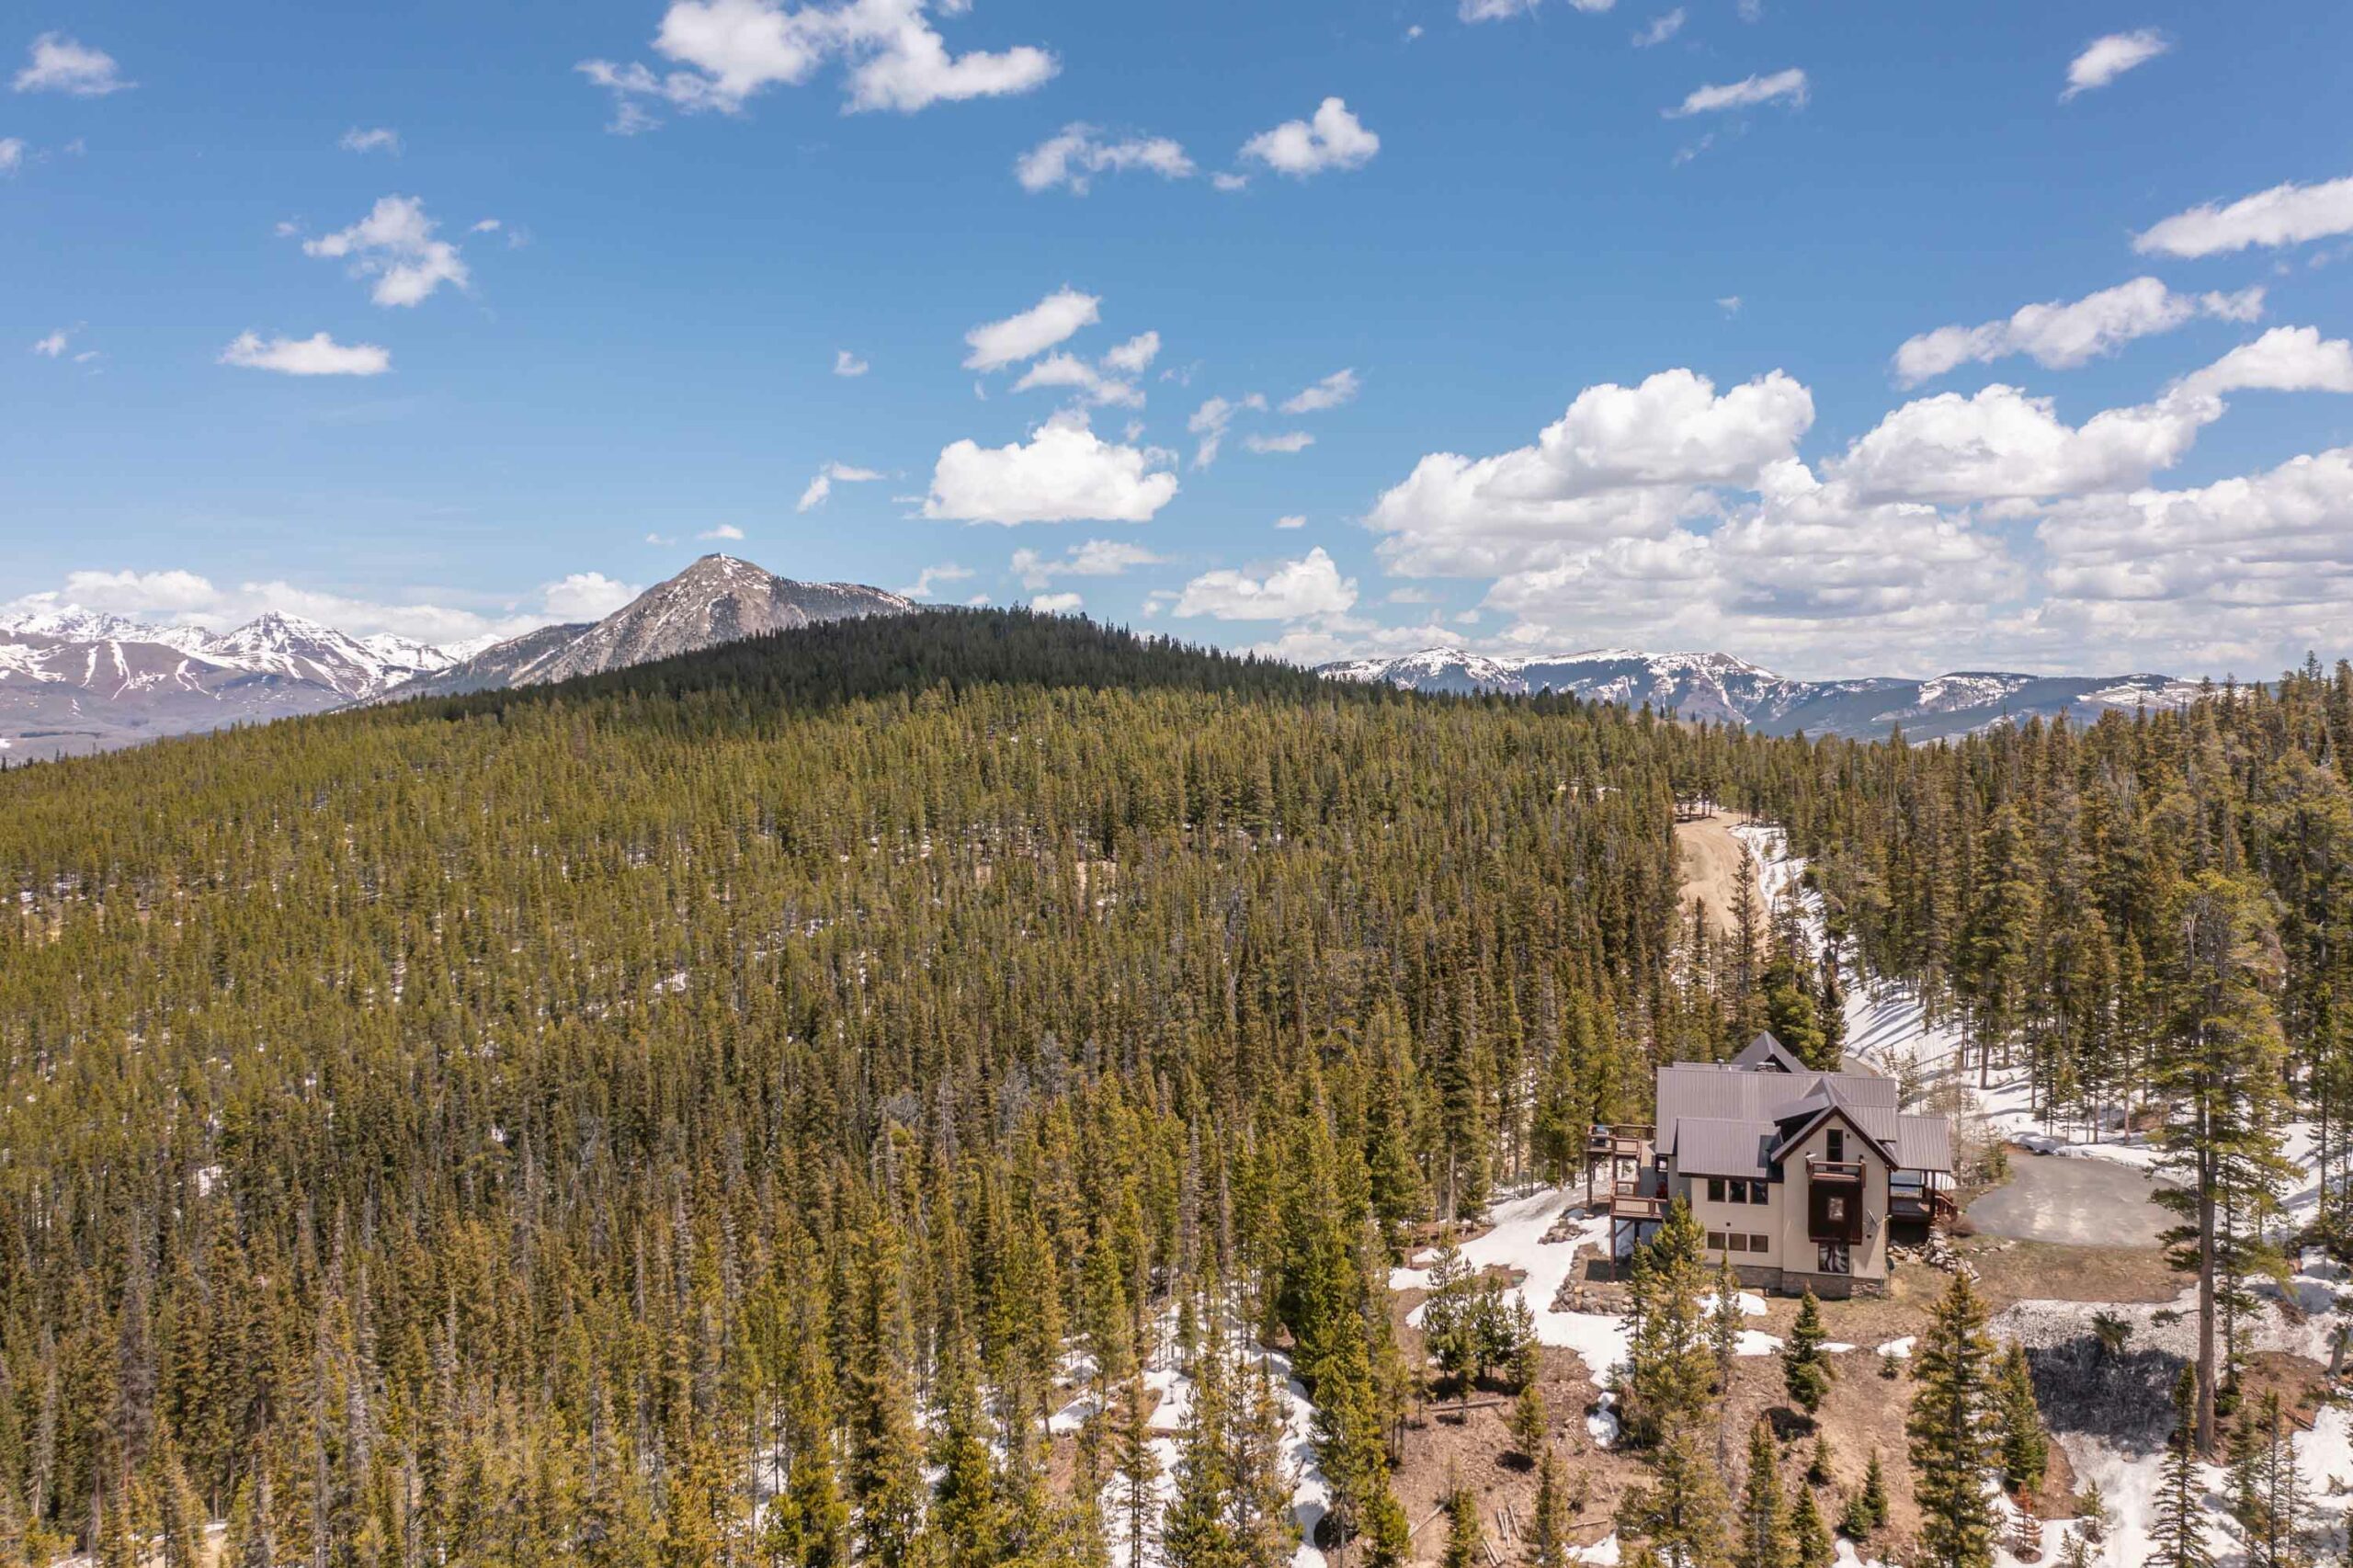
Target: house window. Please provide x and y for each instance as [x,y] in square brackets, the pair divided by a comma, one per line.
[1838,1145]
[1716,1240]
[1739,1190]
[1757,1193]
[1739,1242]
[1715,1189]
[1834,1211]
[1833,1259]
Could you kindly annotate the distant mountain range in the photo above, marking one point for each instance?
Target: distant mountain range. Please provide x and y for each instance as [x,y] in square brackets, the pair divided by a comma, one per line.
[1720,688]
[75,680]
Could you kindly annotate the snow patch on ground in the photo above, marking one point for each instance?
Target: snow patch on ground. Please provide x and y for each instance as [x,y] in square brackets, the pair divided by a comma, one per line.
[1517,1243]
[1311,1492]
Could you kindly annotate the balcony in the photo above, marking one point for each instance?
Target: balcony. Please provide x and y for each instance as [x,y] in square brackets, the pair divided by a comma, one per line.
[1638,1199]
[1625,1140]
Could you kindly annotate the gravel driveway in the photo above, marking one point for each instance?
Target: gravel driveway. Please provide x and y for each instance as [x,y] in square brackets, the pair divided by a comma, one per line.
[2074,1202]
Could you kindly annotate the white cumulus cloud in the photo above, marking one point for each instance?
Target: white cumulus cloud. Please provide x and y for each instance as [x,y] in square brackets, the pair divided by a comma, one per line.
[2284,215]
[1334,139]
[1622,462]
[1064,473]
[1051,320]
[1074,155]
[725,52]
[848,365]
[382,139]
[2286,358]
[1095,558]
[1333,390]
[820,488]
[395,244]
[1210,422]
[2105,59]
[59,64]
[2004,444]
[1288,443]
[2064,334]
[1291,590]
[586,595]
[317,355]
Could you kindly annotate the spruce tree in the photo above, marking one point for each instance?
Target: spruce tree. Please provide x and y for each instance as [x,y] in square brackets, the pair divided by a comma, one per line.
[1530,1424]
[2177,1529]
[1547,1534]
[1462,1533]
[1760,1537]
[2026,1452]
[1810,1545]
[1679,1508]
[1954,1432]
[1669,1362]
[1805,1370]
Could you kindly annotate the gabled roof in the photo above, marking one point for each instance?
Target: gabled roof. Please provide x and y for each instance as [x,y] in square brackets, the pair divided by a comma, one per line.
[1707,1145]
[1737,1117]
[1766,1054]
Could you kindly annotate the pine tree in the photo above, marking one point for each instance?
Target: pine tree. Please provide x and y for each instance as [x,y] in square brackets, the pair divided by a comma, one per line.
[1669,1363]
[1679,1510]
[1135,1467]
[1760,1539]
[965,1510]
[885,1466]
[1810,1545]
[1548,1536]
[1724,1324]
[1462,1533]
[1818,1470]
[2220,1073]
[2178,1529]
[1953,1431]
[2026,1452]
[1530,1424]
[1805,1370]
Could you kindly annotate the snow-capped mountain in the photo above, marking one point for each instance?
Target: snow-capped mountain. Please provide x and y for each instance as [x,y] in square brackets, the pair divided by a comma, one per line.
[1723,689]
[78,681]
[717,600]
[353,668]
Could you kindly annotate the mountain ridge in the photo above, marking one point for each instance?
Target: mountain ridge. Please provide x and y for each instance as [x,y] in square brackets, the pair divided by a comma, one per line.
[76,680]
[1722,689]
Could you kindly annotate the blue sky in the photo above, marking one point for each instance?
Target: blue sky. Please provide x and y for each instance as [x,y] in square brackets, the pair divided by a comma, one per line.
[1507,226]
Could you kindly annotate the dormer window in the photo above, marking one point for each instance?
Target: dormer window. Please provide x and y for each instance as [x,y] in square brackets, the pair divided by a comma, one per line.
[1838,1145]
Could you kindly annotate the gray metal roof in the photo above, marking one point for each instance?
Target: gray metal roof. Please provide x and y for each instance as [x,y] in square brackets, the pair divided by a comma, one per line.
[1928,1144]
[1737,1114]
[1712,1146]
[1767,1053]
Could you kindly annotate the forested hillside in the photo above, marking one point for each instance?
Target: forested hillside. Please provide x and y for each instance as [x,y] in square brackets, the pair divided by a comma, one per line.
[696,1114]
[476,1127]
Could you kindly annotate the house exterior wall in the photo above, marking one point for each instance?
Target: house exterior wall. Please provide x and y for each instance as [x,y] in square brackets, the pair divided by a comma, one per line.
[1728,1218]
[1867,1257]
[1790,1259]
